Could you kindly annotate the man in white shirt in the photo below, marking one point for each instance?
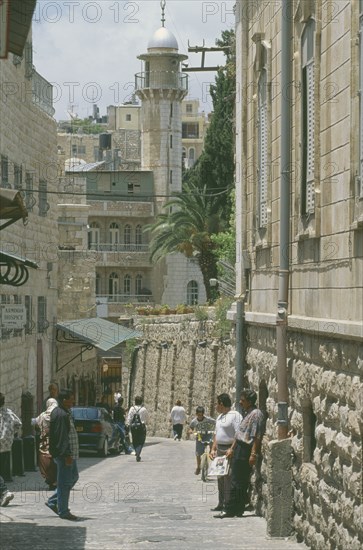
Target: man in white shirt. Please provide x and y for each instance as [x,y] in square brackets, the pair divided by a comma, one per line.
[137,419]
[227,424]
[178,417]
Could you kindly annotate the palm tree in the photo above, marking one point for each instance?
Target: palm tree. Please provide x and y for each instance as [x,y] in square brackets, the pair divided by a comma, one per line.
[186,226]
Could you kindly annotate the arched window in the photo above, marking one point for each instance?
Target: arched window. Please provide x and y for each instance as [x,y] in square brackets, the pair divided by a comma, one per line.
[94,236]
[127,284]
[98,283]
[192,293]
[113,284]
[138,284]
[138,236]
[127,234]
[114,234]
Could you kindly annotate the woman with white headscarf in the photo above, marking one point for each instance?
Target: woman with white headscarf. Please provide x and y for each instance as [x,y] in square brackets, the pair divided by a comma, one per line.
[47,466]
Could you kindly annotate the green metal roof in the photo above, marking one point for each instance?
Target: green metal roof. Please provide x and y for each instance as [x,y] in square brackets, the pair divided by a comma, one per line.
[100,333]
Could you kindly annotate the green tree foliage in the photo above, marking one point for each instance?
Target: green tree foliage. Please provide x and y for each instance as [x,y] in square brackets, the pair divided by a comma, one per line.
[83,126]
[186,226]
[214,169]
[225,241]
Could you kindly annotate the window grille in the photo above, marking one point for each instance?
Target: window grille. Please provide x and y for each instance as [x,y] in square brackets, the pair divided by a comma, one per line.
[308,119]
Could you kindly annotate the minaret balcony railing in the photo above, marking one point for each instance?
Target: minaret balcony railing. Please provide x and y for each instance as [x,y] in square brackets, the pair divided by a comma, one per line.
[164,80]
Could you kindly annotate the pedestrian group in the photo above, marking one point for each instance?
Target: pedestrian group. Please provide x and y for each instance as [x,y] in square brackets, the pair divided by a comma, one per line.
[233,436]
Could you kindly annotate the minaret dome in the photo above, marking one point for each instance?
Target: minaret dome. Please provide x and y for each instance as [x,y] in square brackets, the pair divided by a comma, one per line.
[163,39]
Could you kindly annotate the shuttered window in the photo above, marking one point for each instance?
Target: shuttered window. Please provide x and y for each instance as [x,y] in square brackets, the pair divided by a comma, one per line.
[361,98]
[262,148]
[308,118]
[42,314]
[43,195]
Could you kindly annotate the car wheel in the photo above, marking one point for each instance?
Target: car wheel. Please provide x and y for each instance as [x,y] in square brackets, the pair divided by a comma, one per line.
[104,451]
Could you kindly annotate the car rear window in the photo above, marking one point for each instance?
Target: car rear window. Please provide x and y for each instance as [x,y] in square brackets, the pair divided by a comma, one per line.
[85,413]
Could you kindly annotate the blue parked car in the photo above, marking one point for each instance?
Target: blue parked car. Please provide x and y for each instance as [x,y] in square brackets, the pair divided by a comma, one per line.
[96,430]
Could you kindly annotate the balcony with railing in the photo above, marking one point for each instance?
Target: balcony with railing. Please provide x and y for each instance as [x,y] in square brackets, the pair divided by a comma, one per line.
[134,255]
[42,92]
[164,80]
[130,207]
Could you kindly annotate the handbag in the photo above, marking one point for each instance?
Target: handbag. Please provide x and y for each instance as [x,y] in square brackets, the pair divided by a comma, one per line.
[219,466]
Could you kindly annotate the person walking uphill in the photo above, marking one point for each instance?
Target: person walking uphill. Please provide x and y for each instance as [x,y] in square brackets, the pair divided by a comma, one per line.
[63,446]
[137,419]
[244,450]
[178,417]
[47,466]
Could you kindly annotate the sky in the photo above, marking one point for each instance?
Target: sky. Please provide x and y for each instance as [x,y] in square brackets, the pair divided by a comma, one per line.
[88,50]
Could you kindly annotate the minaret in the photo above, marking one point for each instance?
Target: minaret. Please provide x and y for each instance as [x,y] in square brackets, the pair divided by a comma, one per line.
[161,87]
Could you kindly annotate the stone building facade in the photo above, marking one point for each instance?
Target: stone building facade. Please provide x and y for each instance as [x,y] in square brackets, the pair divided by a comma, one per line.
[324,336]
[28,163]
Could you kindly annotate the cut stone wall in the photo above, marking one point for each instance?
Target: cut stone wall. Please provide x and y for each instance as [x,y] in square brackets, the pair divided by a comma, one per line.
[325,419]
[325,411]
[183,370]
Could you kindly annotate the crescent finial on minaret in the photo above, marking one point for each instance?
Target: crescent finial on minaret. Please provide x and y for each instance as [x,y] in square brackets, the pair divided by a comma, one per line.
[162,4]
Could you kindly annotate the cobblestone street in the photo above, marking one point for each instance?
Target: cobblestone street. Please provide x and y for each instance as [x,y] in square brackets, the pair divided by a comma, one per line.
[156,504]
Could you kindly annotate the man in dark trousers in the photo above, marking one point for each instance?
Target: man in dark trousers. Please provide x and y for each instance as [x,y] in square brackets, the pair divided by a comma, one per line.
[119,416]
[63,446]
[137,419]
[244,450]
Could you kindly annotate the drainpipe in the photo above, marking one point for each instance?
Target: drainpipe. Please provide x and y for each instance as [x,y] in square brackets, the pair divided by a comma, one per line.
[285,177]
[240,348]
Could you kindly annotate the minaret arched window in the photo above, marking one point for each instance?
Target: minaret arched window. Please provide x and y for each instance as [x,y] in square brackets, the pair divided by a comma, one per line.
[127,284]
[308,118]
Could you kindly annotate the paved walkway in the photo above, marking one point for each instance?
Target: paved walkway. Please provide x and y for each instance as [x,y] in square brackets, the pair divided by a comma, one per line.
[156,504]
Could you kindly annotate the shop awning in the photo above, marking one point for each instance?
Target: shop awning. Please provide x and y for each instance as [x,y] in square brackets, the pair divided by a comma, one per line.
[13,269]
[12,207]
[98,332]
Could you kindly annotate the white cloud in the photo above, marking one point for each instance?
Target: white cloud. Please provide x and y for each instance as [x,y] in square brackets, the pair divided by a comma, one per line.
[93,46]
